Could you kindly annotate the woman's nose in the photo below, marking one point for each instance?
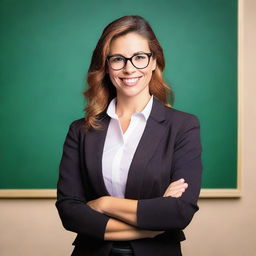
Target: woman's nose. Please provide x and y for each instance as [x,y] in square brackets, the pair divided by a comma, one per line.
[129,68]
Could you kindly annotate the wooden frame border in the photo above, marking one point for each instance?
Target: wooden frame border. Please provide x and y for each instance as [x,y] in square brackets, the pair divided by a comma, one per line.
[205,193]
[28,193]
[52,193]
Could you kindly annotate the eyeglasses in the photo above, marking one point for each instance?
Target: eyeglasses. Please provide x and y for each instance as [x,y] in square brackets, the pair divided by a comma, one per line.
[138,60]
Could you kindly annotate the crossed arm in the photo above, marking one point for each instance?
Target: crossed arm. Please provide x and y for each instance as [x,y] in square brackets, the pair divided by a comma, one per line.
[123,214]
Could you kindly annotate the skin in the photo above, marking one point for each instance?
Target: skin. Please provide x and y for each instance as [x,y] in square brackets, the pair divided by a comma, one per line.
[132,97]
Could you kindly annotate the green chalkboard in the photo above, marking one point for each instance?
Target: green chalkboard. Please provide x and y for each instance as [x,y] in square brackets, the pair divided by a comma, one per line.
[46,47]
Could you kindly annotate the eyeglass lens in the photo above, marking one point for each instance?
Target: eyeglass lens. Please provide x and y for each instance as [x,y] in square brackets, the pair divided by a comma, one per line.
[138,61]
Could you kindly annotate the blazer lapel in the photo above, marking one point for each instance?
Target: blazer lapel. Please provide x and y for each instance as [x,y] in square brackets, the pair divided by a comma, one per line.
[94,144]
[151,137]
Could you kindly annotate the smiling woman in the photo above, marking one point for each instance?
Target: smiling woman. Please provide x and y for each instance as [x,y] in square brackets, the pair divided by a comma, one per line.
[130,172]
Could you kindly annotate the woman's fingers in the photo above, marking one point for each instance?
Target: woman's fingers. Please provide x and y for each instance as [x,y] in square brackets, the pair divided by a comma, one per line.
[174,191]
[176,188]
[175,183]
[178,194]
[178,182]
[185,185]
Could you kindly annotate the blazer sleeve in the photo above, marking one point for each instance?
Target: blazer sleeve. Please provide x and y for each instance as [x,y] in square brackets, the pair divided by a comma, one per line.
[75,215]
[165,213]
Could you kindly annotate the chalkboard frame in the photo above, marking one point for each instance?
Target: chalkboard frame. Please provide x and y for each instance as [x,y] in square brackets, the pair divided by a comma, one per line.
[205,193]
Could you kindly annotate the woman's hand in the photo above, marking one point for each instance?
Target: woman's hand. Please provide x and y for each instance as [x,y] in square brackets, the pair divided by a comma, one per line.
[176,188]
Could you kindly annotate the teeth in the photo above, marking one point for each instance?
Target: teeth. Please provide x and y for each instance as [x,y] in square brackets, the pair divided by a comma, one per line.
[130,80]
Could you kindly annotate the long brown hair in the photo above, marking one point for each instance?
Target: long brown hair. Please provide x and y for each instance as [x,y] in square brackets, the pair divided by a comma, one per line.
[100,89]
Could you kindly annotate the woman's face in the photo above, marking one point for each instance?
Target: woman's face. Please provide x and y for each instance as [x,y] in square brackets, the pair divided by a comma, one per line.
[131,81]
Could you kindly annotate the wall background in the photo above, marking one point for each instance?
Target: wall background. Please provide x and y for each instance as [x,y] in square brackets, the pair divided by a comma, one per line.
[226,226]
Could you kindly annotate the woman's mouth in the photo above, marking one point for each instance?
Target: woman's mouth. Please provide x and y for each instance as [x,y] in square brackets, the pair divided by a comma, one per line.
[130,81]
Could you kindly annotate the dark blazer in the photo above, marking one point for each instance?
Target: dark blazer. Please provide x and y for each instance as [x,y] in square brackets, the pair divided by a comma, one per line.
[169,149]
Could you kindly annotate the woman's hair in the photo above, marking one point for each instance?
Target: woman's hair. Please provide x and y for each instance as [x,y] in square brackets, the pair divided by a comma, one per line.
[100,88]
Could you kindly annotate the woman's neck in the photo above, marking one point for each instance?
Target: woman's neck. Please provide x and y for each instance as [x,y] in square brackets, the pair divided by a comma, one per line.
[127,106]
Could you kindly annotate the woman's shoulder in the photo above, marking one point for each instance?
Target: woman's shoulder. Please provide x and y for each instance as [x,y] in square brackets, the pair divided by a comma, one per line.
[180,117]
[78,122]
[171,114]
[77,125]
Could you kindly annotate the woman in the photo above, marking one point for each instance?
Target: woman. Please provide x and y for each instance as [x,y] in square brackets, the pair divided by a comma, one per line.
[130,173]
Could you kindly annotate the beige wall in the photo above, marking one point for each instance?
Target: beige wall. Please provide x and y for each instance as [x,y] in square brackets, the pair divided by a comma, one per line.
[223,227]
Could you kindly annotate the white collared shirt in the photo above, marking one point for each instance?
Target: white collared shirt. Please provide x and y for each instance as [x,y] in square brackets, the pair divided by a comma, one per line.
[119,148]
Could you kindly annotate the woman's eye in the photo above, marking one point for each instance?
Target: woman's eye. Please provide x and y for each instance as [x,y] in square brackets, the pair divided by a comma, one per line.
[117,59]
[140,57]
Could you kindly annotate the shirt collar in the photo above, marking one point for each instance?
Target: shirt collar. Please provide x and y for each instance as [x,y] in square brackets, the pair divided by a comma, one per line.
[111,110]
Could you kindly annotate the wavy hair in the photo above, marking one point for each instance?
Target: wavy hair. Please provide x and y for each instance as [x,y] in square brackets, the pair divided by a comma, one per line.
[100,88]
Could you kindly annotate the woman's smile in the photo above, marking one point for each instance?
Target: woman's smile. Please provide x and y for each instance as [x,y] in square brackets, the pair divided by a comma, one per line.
[130,81]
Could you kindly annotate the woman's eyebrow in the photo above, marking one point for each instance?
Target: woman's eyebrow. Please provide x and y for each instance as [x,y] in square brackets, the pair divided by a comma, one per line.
[116,54]
[119,54]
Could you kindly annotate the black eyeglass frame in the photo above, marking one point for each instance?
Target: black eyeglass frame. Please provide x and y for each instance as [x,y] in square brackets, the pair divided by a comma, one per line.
[149,54]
